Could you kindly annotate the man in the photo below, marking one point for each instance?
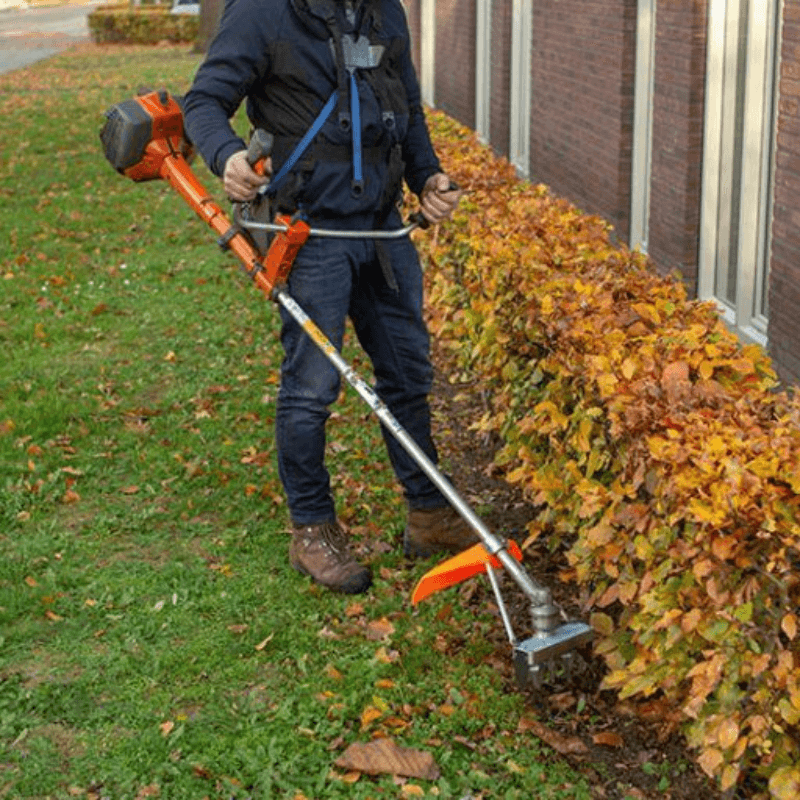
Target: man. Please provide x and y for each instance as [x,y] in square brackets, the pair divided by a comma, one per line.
[333,81]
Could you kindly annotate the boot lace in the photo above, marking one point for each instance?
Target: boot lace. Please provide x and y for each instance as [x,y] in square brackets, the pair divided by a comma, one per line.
[335,539]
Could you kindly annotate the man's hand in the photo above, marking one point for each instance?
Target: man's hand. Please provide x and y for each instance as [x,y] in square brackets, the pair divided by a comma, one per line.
[240,180]
[438,198]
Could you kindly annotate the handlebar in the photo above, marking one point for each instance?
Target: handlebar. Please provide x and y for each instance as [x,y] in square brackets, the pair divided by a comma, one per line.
[260,147]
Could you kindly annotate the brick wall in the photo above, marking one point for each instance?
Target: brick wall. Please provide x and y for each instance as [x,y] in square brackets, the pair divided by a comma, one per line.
[455,59]
[582,103]
[413,10]
[784,284]
[500,113]
[678,116]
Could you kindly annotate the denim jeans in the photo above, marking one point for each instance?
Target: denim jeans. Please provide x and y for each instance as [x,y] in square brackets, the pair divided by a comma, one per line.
[332,279]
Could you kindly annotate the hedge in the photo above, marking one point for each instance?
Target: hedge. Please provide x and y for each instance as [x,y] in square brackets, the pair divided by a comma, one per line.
[660,454]
[145,24]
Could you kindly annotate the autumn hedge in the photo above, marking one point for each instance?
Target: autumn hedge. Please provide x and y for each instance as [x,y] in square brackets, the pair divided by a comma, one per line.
[658,450]
[122,23]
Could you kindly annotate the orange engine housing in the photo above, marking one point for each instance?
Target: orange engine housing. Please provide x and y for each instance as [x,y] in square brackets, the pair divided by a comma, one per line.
[139,133]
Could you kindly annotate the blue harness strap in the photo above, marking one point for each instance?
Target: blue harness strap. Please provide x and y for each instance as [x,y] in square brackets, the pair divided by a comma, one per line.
[355,123]
[316,126]
[303,144]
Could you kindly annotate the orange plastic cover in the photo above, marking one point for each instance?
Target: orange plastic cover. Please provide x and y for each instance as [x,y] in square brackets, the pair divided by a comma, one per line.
[459,568]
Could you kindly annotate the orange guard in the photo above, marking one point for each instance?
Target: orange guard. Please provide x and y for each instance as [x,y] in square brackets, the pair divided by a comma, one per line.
[459,568]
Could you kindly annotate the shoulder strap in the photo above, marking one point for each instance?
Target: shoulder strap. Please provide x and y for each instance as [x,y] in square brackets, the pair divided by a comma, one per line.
[302,145]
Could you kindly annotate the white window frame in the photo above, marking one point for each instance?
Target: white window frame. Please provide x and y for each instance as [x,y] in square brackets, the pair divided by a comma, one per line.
[757,173]
[519,148]
[483,69]
[427,43]
[642,155]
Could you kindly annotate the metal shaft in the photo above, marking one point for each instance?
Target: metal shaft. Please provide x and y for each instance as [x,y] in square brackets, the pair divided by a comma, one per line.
[537,594]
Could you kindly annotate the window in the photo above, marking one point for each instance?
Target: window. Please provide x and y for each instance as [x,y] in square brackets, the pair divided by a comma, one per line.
[738,161]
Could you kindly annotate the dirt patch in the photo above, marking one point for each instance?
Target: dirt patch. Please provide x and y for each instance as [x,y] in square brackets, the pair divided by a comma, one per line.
[627,750]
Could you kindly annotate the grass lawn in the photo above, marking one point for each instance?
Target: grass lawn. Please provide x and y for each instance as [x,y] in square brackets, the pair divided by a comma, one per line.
[154,641]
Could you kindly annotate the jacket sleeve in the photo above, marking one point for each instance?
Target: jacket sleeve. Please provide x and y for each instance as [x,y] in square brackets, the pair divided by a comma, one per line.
[418,153]
[236,58]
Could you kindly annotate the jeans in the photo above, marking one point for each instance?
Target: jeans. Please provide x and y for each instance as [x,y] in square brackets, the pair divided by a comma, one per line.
[332,279]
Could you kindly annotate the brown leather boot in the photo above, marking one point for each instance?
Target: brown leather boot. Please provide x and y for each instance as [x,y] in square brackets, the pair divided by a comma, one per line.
[436,530]
[323,553]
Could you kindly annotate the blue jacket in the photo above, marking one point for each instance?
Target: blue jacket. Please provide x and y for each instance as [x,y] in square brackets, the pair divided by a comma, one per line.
[282,59]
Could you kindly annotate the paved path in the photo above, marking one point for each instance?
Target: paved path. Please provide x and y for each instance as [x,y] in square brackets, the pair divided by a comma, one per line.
[29,34]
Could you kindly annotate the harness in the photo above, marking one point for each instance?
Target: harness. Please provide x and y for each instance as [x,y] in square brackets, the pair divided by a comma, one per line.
[352,54]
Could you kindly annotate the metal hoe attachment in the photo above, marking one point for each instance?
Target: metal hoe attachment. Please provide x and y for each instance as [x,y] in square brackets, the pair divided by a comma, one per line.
[144,140]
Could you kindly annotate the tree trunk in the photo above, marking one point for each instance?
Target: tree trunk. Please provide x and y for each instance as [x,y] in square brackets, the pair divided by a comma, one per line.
[210,14]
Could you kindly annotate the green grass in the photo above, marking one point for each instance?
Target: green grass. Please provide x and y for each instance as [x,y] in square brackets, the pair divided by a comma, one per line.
[153,639]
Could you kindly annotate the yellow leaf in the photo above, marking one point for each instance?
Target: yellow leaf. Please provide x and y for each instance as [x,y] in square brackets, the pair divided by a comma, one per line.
[710,761]
[785,783]
[628,368]
[728,733]
[789,625]
[369,715]
[730,775]
[706,370]
[607,383]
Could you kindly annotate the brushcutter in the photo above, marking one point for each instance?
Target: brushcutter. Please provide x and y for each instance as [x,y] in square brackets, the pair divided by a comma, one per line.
[144,139]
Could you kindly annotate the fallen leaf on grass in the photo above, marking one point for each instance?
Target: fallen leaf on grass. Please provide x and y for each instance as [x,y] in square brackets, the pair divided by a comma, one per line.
[384,757]
[385,656]
[379,629]
[238,629]
[369,715]
[354,610]
[566,745]
[262,644]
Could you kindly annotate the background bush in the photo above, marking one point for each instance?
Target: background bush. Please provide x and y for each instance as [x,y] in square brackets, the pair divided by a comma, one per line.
[145,24]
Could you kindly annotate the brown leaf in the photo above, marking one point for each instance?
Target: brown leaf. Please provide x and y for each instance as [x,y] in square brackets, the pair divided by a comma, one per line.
[379,629]
[608,739]
[566,745]
[238,629]
[354,609]
[384,757]
[675,380]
